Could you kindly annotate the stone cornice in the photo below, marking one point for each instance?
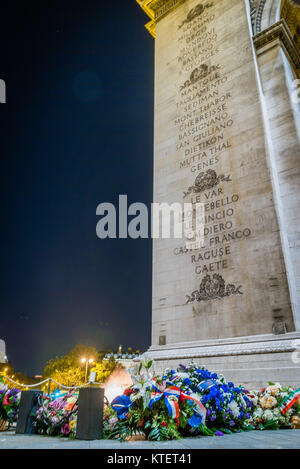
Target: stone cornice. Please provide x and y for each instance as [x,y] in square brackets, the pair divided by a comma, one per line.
[279,31]
[157,9]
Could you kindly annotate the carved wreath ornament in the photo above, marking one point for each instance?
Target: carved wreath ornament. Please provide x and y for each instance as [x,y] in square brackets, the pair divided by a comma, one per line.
[199,73]
[194,12]
[205,181]
[213,288]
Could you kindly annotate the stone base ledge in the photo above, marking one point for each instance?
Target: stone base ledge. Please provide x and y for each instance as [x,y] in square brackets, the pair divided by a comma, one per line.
[228,347]
[252,361]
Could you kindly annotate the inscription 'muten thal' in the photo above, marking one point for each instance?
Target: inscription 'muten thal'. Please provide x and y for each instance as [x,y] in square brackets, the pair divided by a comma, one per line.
[211,147]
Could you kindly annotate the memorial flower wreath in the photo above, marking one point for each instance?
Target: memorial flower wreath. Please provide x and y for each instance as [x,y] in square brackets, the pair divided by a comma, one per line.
[194,401]
[185,402]
[57,417]
[9,404]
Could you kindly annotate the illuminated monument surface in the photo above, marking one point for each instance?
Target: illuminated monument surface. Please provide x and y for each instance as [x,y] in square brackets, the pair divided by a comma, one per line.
[227,127]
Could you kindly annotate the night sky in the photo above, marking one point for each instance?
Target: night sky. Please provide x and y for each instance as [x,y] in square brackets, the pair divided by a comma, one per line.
[77,130]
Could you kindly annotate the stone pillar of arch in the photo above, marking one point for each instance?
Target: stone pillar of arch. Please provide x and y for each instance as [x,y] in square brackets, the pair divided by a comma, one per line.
[277,43]
[226,136]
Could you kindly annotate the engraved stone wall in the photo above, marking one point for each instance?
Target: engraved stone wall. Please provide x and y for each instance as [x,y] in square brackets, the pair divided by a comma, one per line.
[210,148]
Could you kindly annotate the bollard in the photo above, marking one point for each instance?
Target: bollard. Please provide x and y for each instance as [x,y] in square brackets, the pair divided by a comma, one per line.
[28,405]
[90,413]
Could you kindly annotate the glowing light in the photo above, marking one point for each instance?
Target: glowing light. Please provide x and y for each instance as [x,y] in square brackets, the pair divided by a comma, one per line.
[112,391]
[83,360]
[91,360]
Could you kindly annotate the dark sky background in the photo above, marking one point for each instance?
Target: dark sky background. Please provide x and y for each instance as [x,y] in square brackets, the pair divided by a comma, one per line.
[77,130]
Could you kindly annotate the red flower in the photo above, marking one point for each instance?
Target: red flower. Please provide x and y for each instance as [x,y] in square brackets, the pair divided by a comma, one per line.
[141,423]
[178,423]
[53,412]
[163,424]
[128,391]
[6,401]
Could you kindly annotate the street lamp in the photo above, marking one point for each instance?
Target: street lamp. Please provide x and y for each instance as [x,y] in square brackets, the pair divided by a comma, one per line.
[87,361]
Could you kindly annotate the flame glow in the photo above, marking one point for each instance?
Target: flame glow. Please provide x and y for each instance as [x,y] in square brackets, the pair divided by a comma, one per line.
[113,390]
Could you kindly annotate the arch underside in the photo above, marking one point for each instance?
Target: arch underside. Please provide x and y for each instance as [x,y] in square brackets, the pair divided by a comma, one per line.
[265,13]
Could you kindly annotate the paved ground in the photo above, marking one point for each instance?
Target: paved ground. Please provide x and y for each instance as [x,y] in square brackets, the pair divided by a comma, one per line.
[280,439]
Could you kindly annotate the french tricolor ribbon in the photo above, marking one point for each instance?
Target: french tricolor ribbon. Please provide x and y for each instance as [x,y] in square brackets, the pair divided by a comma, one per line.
[198,407]
[289,401]
[170,394]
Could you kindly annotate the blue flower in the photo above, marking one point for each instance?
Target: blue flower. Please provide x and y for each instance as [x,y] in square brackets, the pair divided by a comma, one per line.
[195,421]
[121,405]
[187,382]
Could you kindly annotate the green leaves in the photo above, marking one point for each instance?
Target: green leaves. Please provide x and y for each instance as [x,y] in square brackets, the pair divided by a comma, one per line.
[120,431]
[148,364]
[156,434]
[226,431]
[204,430]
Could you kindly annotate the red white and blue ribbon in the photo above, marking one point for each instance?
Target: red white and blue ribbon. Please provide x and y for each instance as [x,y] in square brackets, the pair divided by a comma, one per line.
[198,407]
[170,394]
[289,401]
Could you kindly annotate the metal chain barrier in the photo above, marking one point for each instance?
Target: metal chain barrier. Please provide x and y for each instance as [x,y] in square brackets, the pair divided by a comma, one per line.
[51,380]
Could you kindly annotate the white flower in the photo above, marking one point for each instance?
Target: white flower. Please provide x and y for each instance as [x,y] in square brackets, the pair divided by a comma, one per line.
[268,415]
[257,414]
[142,380]
[182,376]
[234,408]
